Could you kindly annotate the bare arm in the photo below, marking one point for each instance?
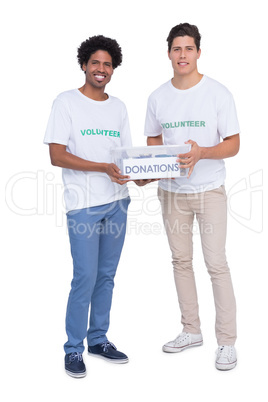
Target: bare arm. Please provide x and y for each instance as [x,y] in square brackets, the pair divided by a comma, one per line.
[155,140]
[60,157]
[227,148]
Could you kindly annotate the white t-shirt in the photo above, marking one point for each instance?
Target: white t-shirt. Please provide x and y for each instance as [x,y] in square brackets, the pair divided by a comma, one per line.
[206,114]
[89,129]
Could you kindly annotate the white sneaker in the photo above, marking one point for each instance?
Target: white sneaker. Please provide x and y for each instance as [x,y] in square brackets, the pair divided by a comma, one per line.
[183,341]
[226,358]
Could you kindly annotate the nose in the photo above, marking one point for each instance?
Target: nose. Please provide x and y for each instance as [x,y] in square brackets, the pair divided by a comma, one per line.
[101,68]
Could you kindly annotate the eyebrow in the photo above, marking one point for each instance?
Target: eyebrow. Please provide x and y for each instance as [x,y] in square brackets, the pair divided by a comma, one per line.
[106,62]
[179,47]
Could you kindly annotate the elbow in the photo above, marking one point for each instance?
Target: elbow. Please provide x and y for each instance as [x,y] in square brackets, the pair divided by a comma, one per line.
[234,145]
[237,151]
[56,155]
[54,161]
[237,148]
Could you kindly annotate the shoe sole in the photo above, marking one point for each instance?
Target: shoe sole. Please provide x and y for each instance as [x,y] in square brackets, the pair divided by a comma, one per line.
[173,349]
[76,375]
[225,367]
[107,359]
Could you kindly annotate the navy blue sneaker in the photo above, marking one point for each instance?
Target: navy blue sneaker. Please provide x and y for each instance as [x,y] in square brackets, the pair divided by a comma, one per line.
[108,351]
[74,365]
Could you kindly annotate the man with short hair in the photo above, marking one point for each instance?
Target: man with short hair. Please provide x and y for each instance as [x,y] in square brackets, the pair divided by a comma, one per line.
[84,125]
[195,109]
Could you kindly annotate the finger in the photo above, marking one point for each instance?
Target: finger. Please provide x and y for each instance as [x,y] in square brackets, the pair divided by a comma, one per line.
[187,165]
[190,172]
[120,176]
[121,182]
[182,156]
[185,156]
[190,142]
[115,168]
[185,161]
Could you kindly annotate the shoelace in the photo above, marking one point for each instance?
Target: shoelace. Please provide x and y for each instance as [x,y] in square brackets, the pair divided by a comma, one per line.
[181,337]
[107,345]
[76,356]
[225,351]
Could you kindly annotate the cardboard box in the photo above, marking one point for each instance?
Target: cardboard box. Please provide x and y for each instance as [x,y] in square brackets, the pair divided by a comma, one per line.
[151,162]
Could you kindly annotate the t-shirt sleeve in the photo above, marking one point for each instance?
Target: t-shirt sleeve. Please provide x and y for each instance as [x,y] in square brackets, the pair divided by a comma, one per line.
[125,130]
[59,124]
[153,127]
[227,117]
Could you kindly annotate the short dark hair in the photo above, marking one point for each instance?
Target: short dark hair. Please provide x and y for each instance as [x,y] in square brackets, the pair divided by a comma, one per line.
[99,42]
[184,30]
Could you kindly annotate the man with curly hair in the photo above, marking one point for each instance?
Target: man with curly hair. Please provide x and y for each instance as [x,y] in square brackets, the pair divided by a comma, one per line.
[84,125]
[197,110]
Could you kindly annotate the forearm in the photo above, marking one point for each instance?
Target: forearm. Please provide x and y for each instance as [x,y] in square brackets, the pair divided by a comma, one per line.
[70,161]
[226,149]
[61,158]
[158,140]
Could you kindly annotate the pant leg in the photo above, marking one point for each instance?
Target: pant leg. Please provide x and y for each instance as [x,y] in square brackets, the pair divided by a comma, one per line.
[178,221]
[84,229]
[212,219]
[110,247]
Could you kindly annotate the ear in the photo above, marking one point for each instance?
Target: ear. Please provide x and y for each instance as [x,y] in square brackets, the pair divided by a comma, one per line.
[169,55]
[199,53]
[84,67]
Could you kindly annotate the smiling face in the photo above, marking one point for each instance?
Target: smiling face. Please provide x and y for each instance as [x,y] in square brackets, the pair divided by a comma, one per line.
[184,55]
[99,69]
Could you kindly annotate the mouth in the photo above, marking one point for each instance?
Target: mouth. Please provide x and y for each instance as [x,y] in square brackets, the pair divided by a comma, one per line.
[99,77]
[183,63]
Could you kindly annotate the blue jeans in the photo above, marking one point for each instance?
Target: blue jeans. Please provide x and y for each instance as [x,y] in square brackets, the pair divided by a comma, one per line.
[96,236]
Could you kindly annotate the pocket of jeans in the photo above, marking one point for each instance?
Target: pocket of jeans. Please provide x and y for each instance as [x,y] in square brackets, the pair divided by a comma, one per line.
[220,190]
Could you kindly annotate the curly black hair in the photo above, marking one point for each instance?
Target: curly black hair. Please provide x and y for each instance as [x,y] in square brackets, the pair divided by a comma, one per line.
[99,42]
[184,30]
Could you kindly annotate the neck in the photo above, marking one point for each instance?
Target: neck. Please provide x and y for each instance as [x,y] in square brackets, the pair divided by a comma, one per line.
[186,81]
[96,94]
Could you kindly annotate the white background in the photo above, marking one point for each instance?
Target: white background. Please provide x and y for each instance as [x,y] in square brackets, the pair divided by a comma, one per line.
[39,41]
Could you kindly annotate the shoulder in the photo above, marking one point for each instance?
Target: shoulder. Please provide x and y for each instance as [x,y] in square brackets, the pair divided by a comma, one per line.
[221,96]
[67,95]
[117,103]
[65,99]
[159,96]
[160,91]
[217,87]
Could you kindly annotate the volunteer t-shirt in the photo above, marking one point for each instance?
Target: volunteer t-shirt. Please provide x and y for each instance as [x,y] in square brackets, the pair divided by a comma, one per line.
[206,114]
[89,129]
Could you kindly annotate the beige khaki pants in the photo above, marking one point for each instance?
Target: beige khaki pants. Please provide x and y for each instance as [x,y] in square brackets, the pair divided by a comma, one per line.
[210,209]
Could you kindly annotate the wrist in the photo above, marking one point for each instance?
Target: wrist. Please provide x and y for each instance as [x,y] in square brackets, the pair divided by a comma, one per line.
[203,153]
[103,167]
